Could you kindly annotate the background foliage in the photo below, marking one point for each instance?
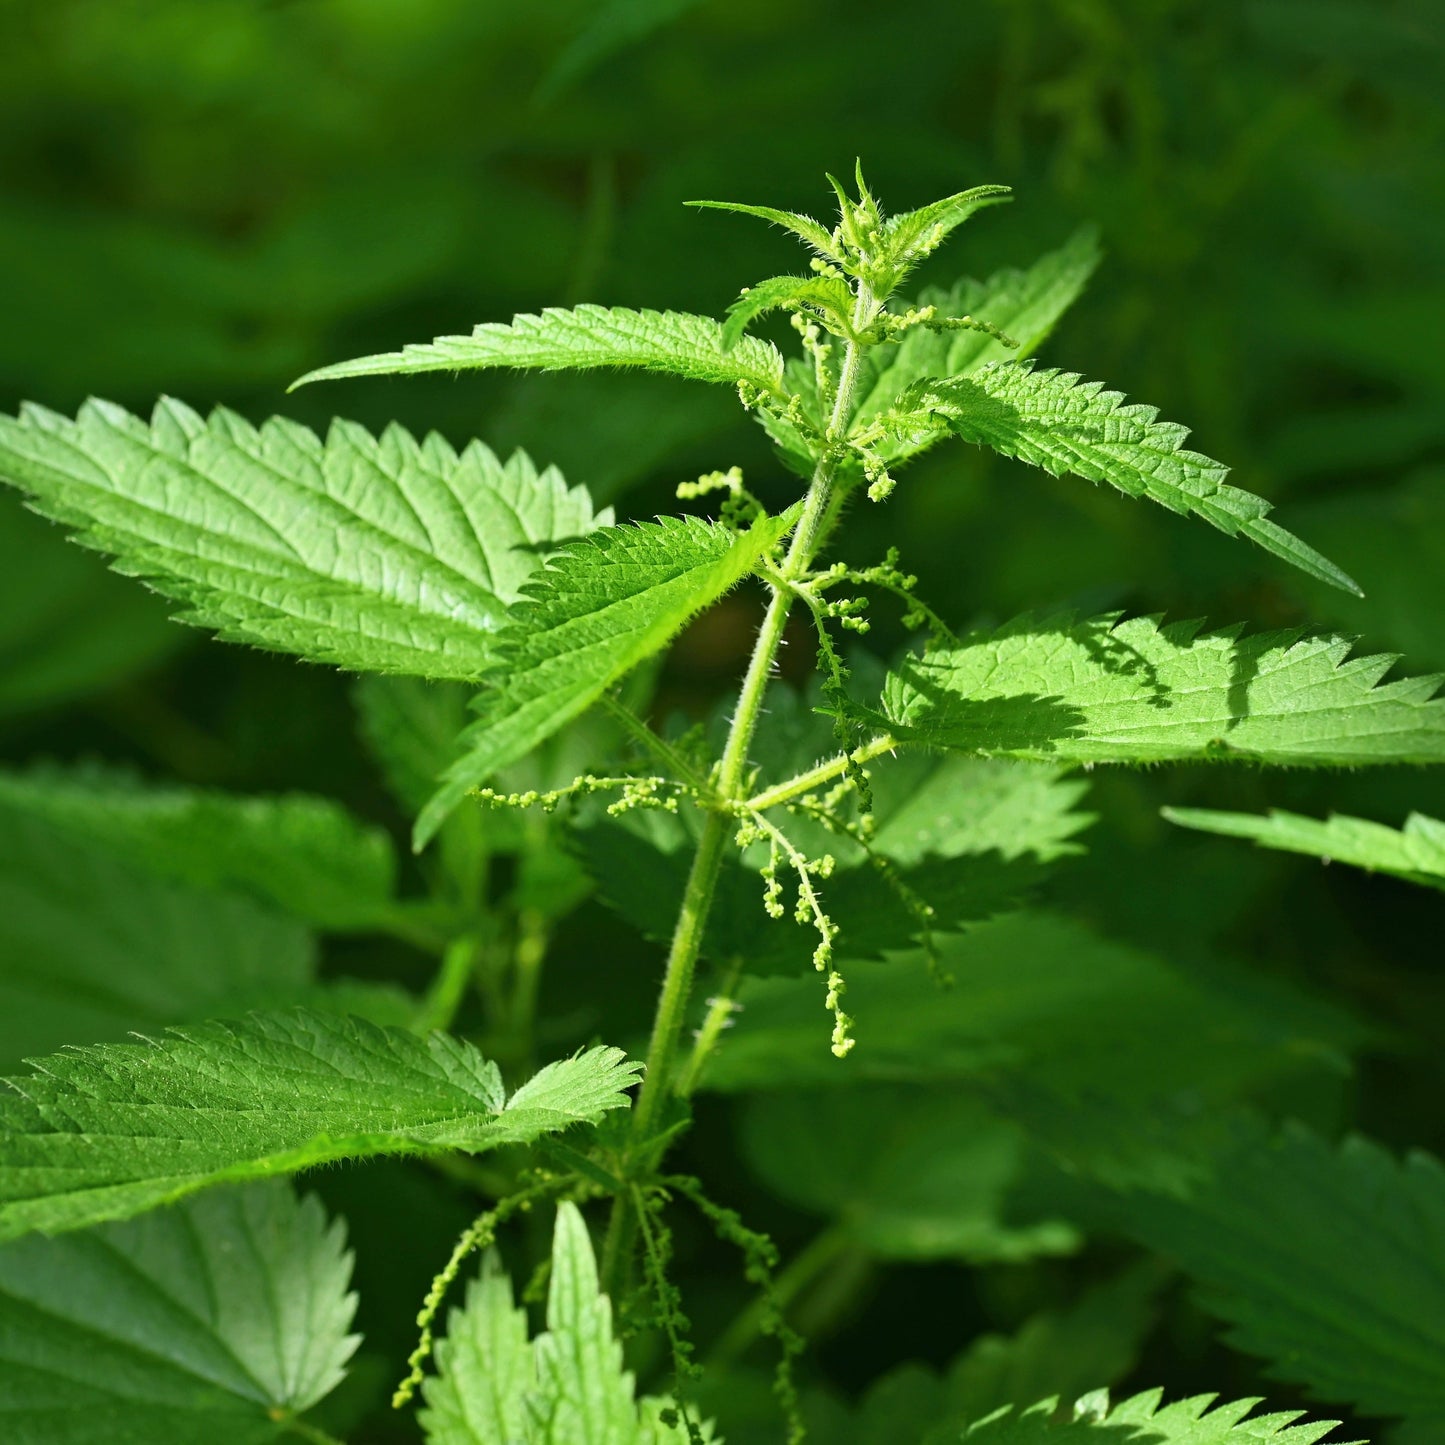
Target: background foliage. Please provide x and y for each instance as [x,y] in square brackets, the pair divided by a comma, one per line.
[209,200]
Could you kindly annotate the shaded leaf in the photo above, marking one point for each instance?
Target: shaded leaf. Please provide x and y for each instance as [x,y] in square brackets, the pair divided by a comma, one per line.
[219,1320]
[909,1173]
[1323,1260]
[1042,999]
[306,855]
[91,948]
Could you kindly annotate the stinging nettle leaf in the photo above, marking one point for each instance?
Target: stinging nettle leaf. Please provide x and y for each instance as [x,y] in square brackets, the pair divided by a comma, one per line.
[1322,1260]
[221,1319]
[826,295]
[1042,1000]
[1058,421]
[106,1132]
[380,554]
[1415,852]
[812,233]
[1106,691]
[912,235]
[1199,1420]
[495,1387]
[1026,304]
[306,855]
[92,948]
[602,607]
[582,339]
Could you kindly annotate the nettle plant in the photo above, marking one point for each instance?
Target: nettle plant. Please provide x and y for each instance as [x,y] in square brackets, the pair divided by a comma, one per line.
[851,864]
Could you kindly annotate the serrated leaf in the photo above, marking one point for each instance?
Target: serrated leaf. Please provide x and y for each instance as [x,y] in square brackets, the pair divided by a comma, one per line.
[91,948]
[567,1385]
[1064,424]
[219,1320]
[378,554]
[831,297]
[485,1368]
[1040,999]
[306,855]
[1195,1421]
[812,233]
[907,1173]
[583,339]
[411,728]
[1323,1260]
[1415,852]
[602,607]
[1025,304]
[1106,691]
[106,1132]
[582,1391]
[912,235]
[1091,1343]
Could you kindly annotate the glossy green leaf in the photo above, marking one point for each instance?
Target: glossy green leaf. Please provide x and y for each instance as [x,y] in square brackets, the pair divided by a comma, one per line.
[912,235]
[1027,304]
[495,1387]
[1142,1419]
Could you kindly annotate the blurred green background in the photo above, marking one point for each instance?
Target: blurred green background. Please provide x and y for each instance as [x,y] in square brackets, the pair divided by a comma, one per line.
[206,199]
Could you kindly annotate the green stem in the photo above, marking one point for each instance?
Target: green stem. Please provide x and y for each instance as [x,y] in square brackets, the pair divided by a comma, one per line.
[449,987]
[720,1010]
[687,938]
[816,777]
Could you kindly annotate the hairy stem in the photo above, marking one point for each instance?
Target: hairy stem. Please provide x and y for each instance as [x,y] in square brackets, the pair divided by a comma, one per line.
[720,1010]
[658,1084]
[816,777]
